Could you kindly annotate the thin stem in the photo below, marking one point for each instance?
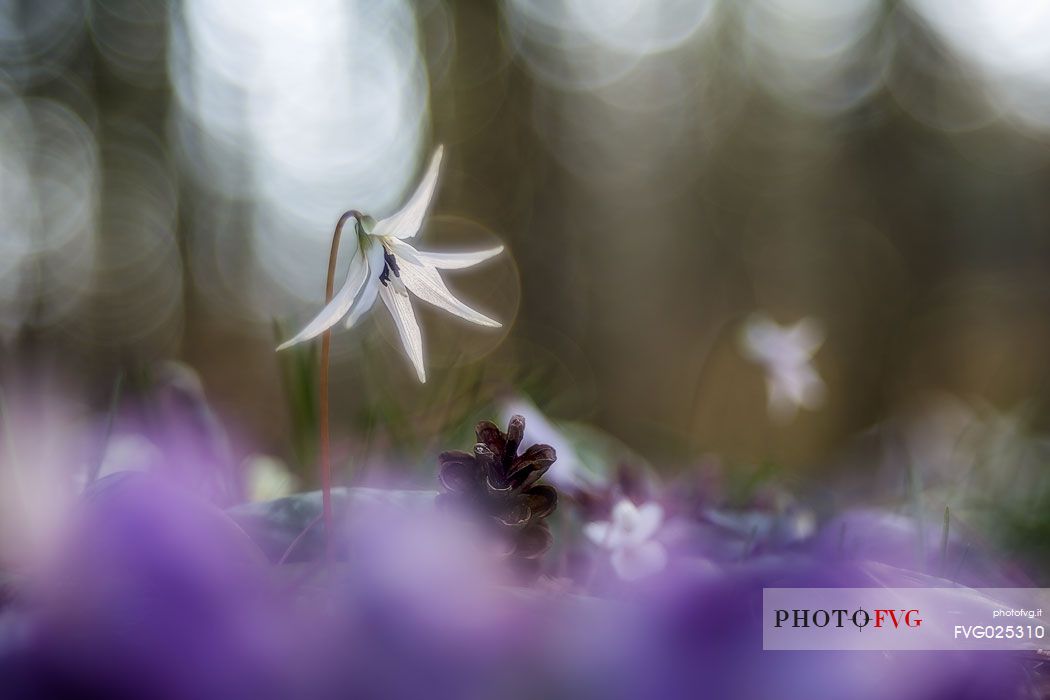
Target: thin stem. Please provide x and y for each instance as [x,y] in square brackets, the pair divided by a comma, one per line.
[322,401]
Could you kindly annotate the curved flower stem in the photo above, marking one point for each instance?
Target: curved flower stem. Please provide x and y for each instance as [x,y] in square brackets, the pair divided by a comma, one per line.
[322,400]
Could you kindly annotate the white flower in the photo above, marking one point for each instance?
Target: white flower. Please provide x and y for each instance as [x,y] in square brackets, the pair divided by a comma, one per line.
[786,353]
[629,536]
[383,265]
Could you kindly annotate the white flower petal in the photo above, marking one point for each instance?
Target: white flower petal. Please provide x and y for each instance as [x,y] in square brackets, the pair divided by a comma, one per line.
[624,514]
[802,385]
[371,288]
[368,299]
[782,406]
[425,282]
[633,563]
[408,220]
[759,337]
[791,388]
[770,343]
[598,532]
[806,336]
[634,525]
[400,308]
[457,261]
[341,303]
[403,251]
[650,518]
[397,285]
[813,392]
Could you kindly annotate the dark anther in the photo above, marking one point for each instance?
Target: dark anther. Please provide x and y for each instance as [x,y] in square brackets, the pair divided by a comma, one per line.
[389,264]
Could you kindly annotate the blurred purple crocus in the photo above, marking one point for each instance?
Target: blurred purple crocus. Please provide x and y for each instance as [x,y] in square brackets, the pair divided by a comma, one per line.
[155,594]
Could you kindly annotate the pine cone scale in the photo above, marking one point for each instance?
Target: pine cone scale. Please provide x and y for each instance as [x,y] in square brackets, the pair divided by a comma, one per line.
[542,500]
[533,542]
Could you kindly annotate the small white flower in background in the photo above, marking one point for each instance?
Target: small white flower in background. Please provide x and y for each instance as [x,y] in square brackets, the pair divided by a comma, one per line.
[266,478]
[786,355]
[629,536]
[383,265]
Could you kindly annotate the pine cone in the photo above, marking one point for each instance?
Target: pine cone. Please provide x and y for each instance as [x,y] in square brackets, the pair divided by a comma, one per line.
[499,485]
